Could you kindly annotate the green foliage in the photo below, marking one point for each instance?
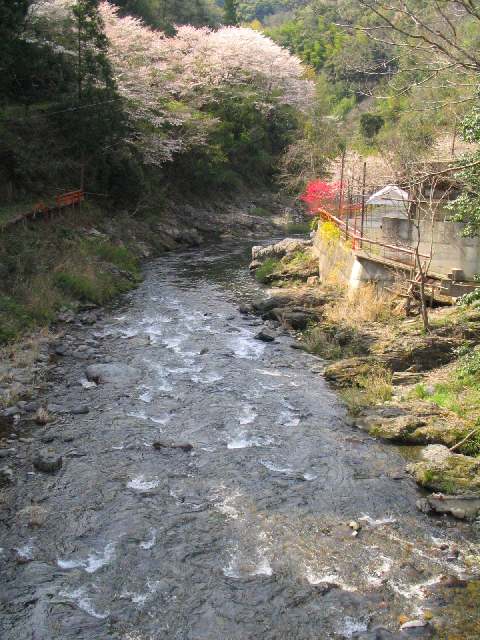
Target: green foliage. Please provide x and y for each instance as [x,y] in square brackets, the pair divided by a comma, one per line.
[165,14]
[471,299]
[370,124]
[269,267]
[374,388]
[466,208]
[230,16]
[249,10]
[260,211]
[14,319]
[301,228]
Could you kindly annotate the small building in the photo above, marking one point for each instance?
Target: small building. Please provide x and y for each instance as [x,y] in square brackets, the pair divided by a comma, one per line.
[390,201]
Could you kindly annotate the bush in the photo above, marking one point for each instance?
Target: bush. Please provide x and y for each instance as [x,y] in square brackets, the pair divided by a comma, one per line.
[470,299]
[316,340]
[370,125]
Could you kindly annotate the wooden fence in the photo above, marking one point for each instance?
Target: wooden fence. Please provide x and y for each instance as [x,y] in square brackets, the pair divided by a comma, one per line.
[44,211]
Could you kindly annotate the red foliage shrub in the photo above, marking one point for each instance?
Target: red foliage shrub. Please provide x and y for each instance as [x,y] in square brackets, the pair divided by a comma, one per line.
[321,195]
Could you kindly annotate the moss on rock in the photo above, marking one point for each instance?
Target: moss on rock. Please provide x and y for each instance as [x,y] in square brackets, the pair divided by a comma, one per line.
[450,473]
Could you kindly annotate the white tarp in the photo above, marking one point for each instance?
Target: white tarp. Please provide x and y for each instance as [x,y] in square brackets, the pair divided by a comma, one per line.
[389,196]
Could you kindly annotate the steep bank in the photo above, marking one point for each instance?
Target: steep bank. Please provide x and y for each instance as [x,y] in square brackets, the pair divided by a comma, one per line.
[400,384]
[90,254]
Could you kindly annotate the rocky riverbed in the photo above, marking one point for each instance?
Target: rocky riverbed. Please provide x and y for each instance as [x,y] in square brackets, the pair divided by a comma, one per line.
[175,475]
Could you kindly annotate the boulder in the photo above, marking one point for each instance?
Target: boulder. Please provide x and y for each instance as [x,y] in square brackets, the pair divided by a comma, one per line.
[264,336]
[297,320]
[465,507]
[47,461]
[305,300]
[280,249]
[115,373]
[245,309]
[414,429]
[446,472]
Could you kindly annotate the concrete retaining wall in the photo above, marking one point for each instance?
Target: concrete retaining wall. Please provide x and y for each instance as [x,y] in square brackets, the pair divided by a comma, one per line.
[338,264]
[450,249]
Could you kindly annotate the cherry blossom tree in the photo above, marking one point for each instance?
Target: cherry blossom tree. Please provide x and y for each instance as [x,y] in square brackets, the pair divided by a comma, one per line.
[169,83]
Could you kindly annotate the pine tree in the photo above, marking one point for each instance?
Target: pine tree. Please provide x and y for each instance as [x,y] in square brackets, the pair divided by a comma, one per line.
[230,12]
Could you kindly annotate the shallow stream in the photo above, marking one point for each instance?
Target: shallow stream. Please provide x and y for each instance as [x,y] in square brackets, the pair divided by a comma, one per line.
[247,535]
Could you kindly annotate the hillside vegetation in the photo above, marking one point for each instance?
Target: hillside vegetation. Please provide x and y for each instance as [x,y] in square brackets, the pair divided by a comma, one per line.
[136,101]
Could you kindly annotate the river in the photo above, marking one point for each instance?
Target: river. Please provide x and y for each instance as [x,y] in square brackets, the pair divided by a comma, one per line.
[246,536]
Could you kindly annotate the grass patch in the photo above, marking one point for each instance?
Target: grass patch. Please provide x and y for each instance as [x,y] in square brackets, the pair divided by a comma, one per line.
[119,255]
[91,285]
[460,395]
[318,341]
[261,211]
[374,388]
[363,305]
[44,267]
[298,228]
[14,319]
[299,260]
[268,268]
[332,342]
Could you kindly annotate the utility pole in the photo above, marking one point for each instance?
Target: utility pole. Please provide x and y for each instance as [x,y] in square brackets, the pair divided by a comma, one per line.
[362,222]
[342,171]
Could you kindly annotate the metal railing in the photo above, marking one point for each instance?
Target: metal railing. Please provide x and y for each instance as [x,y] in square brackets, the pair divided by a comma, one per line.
[396,253]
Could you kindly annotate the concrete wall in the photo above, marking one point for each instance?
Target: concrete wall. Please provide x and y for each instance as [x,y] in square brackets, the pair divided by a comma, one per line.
[450,249]
[338,264]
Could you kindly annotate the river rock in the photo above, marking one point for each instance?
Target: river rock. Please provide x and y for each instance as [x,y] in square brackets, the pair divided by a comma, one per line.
[344,372]
[280,249]
[446,472]
[163,444]
[398,429]
[12,411]
[461,507]
[31,407]
[264,336]
[297,320]
[80,409]
[47,461]
[417,629]
[116,373]
[6,475]
[245,309]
